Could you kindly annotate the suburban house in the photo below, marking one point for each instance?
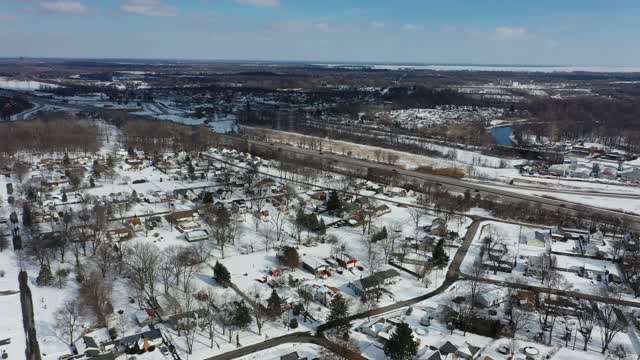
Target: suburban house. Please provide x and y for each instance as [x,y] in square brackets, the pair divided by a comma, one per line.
[121,234]
[91,343]
[146,317]
[632,174]
[144,340]
[185,194]
[381,210]
[186,215]
[373,327]
[347,261]
[135,224]
[292,356]
[196,235]
[596,237]
[318,195]
[396,191]
[438,227]
[134,162]
[449,350]
[322,294]
[239,207]
[313,264]
[492,298]
[363,286]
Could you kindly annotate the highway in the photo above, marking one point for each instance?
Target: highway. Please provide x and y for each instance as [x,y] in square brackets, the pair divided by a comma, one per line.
[461,185]
[451,184]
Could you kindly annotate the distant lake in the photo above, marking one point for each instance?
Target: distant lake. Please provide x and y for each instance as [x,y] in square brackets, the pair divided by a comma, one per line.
[502,135]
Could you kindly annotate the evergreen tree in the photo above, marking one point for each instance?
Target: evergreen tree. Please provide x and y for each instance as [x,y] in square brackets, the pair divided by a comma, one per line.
[208,198]
[401,345]
[440,257]
[274,304]
[111,162]
[45,277]
[64,197]
[339,312]
[333,203]
[241,315]
[192,171]
[26,215]
[322,229]
[291,258]
[221,274]
[65,160]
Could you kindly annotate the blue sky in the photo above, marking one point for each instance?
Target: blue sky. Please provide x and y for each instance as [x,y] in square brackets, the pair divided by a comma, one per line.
[561,32]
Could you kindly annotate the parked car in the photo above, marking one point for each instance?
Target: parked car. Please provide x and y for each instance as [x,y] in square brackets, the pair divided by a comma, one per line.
[164,350]
[409,311]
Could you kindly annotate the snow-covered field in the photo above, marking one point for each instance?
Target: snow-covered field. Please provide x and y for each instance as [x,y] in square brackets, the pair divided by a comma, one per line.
[23,85]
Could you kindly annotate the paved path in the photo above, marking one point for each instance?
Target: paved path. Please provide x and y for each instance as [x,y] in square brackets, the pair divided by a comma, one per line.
[563,292]
[298,337]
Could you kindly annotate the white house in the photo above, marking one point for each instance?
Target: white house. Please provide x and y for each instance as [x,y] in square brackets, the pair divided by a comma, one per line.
[492,298]
[196,235]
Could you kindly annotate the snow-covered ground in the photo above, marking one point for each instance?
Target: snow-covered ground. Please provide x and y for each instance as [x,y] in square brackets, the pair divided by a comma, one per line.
[566,265]
[23,85]
[308,351]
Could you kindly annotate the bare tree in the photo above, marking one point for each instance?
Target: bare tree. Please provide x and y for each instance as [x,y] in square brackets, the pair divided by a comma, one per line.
[68,320]
[611,321]
[190,262]
[96,296]
[143,265]
[543,267]
[416,215]
[169,269]
[549,310]
[496,249]
[223,227]
[475,282]
[279,221]
[257,203]
[187,325]
[104,259]
[586,318]
[388,243]
[209,320]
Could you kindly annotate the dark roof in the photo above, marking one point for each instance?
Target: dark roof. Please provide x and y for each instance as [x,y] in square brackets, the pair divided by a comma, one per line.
[435,356]
[290,356]
[620,316]
[152,334]
[105,356]
[377,278]
[448,348]
[90,342]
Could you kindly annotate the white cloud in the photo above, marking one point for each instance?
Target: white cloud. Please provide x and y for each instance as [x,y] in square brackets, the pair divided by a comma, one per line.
[510,33]
[148,8]
[259,3]
[376,24]
[63,7]
[409,27]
